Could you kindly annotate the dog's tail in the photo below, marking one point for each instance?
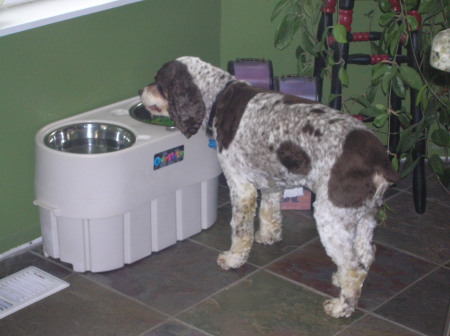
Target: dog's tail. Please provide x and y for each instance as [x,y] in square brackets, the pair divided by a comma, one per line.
[383,178]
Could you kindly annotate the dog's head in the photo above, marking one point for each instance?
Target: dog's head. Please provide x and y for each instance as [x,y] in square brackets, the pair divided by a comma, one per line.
[174,94]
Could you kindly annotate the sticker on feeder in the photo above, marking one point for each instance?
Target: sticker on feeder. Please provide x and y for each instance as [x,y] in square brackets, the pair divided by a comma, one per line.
[168,157]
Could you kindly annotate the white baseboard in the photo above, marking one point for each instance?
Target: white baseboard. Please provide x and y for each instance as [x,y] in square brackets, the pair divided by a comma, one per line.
[21,248]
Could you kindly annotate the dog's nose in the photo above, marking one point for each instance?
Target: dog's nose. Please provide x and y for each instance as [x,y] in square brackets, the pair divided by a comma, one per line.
[140,92]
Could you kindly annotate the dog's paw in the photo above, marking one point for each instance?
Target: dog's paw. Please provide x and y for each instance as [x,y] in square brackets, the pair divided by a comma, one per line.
[228,260]
[267,238]
[336,308]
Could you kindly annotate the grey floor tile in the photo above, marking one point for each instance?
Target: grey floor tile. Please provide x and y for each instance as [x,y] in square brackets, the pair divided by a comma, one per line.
[297,230]
[373,326]
[84,308]
[224,195]
[423,306]
[391,272]
[264,304]
[174,328]
[16,263]
[437,192]
[425,235]
[173,279]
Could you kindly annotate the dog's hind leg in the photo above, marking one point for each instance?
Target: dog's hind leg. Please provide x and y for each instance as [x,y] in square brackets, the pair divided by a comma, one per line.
[346,237]
[363,242]
[269,219]
[243,202]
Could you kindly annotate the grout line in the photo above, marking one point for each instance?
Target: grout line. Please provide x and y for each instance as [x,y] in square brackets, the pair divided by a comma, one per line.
[115,291]
[411,254]
[300,284]
[419,333]
[173,319]
[54,262]
[295,249]
[412,284]
[364,315]
[225,288]
[371,314]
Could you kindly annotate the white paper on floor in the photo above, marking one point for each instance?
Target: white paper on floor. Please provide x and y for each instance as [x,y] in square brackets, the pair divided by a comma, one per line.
[25,287]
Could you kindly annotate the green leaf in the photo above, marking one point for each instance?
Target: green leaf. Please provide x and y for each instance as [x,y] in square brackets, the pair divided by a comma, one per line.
[384,5]
[278,8]
[404,117]
[304,66]
[420,95]
[444,115]
[386,18]
[308,10]
[286,31]
[411,4]
[409,166]
[394,163]
[436,164]
[370,111]
[340,33]
[440,137]
[387,77]
[317,48]
[431,107]
[362,100]
[378,71]
[407,140]
[395,39]
[343,76]
[380,120]
[307,44]
[398,87]
[371,93]
[381,216]
[411,77]
[425,6]
[412,22]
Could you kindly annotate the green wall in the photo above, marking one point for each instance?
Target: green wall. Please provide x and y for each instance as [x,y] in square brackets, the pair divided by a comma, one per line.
[246,31]
[55,71]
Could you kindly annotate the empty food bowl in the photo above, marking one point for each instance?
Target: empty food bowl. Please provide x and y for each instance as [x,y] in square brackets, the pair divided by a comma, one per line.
[90,138]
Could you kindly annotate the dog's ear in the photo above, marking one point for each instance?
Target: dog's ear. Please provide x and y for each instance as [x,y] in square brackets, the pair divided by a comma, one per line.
[186,106]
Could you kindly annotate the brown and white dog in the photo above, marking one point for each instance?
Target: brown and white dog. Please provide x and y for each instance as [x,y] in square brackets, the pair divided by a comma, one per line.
[271,142]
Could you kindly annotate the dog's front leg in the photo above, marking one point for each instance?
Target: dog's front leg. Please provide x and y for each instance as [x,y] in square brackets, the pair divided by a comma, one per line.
[243,201]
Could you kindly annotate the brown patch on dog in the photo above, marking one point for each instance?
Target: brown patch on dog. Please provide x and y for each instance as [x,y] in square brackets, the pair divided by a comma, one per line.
[228,110]
[317,111]
[294,158]
[332,121]
[352,176]
[308,128]
[292,100]
[317,133]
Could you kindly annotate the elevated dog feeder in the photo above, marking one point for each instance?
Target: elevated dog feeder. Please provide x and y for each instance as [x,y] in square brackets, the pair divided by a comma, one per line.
[112,188]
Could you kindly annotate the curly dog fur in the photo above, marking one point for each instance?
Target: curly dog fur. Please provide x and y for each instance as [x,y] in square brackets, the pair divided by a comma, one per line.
[268,141]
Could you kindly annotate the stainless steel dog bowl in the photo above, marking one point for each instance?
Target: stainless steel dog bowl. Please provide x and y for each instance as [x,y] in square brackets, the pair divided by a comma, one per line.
[90,138]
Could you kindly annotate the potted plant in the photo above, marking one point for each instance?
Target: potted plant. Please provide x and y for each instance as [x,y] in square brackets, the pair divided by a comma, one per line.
[298,23]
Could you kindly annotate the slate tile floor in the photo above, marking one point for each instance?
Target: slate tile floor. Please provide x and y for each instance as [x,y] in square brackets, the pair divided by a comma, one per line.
[279,292]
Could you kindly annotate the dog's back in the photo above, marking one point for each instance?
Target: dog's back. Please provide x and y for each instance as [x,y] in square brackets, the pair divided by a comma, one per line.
[286,141]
